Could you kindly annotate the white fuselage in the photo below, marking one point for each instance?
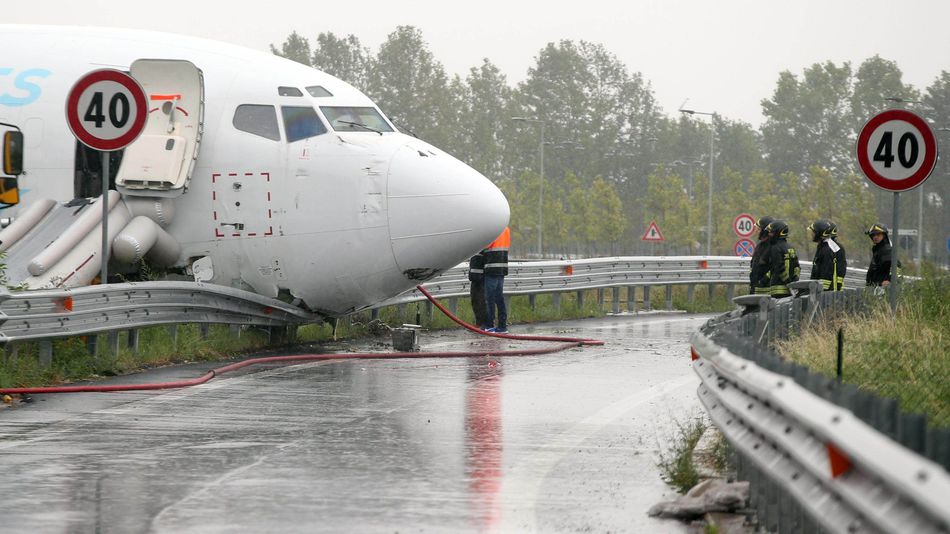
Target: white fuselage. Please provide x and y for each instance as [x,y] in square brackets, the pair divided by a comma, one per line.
[341,220]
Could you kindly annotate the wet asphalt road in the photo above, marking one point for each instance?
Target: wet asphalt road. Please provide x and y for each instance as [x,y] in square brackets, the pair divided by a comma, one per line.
[565,442]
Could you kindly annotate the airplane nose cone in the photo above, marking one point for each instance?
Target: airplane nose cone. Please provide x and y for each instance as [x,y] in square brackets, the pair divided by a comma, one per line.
[441,211]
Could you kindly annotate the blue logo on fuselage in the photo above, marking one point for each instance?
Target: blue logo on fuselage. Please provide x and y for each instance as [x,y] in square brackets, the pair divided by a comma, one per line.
[26,91]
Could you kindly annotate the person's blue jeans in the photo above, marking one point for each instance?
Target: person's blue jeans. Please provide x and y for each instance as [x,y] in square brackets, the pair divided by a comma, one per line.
[495,298]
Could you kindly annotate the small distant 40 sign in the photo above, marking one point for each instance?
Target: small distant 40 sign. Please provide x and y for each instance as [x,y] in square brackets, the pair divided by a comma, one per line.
[897,150]
[106,109]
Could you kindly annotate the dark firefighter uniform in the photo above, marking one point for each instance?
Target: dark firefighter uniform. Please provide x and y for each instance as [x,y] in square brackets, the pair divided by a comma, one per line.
[476,275]
[880,269]
[830,264]
[759,278]
[783,261]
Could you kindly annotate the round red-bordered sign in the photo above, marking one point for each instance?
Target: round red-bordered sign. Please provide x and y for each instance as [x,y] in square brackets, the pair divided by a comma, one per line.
[106,109]
[744,225]
[897,150]
[744,248]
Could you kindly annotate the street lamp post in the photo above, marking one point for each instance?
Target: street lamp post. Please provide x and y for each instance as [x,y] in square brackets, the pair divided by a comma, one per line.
[541,184]
[712,136]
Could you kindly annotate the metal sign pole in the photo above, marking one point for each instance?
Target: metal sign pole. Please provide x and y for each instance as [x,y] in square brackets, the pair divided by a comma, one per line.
[104,270]
[894,247]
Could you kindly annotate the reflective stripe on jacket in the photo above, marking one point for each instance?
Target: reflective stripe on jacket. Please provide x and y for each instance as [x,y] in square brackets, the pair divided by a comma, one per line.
[496,255]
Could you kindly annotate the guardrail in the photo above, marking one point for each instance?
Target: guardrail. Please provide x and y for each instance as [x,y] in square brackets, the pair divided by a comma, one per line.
[817,453]
[46,314]
[842,473]
[541,277]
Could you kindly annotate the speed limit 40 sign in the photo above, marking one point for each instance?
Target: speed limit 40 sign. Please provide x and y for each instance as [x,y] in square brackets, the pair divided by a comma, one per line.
[897,150]
[744,225]
[106,109]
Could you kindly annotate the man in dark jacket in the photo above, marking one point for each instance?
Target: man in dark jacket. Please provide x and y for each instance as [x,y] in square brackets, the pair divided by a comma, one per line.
[476,275]
[496,268]
[828,255]
[759,272]
[783,260]
[879,272]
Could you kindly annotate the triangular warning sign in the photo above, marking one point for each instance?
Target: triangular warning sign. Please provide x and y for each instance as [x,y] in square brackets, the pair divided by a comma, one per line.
[653,233]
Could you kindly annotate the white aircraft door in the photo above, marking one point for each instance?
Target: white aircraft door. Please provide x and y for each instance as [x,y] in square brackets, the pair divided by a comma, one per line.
[161,161]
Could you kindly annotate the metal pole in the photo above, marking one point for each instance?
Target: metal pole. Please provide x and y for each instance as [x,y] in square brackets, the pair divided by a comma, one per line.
[541,196]
[104,269]
[709,230]
[920,228]
[894,247]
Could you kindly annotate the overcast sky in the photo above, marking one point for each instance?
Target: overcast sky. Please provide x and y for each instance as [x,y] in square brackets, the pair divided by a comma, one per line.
[723,55]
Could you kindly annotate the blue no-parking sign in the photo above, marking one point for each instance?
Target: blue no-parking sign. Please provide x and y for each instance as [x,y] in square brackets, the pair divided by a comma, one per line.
[744,248]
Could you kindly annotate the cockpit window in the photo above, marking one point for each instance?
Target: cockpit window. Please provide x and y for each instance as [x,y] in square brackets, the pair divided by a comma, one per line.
[301,122]
[289,91]
[317,91]
[258,120]
[353,119]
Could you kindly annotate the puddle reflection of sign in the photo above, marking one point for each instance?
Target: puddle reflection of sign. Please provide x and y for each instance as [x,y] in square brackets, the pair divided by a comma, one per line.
[653,233]
[744,248]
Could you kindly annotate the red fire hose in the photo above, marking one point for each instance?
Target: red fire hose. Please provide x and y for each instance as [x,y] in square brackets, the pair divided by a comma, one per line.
[566,343]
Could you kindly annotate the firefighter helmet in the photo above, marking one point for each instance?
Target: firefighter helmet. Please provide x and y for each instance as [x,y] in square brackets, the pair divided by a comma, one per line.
[762,223]
[777,229]
[877,228]
[821,229]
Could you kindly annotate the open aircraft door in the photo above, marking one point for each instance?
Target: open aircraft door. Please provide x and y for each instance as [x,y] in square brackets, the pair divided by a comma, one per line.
[160,162]
[12,156]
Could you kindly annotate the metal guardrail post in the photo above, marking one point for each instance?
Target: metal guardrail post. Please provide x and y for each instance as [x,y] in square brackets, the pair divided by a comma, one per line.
[730,292]
[556,302]
[533,301]
[711,287]
[203,329]
[133,341]
[669,297]
[580,299]
[615,299]
[454,305]
[114,345]
[601,299]
[632,299]
[691,293]
[646,298]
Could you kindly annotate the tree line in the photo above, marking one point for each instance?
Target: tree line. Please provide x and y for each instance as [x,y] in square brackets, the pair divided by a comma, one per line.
[614,160]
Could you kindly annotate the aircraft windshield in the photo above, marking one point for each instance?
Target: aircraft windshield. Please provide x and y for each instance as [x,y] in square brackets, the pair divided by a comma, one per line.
[353,119]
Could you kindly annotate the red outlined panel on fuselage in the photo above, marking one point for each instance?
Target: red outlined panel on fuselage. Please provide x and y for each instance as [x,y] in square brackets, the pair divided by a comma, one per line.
[241,204]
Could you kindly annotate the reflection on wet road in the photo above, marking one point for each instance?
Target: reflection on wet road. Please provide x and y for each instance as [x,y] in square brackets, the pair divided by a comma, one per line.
[557,443]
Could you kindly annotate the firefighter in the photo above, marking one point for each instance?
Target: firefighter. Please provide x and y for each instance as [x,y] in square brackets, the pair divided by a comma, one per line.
[828,255]
[783,260]
[759,272]
[879,272]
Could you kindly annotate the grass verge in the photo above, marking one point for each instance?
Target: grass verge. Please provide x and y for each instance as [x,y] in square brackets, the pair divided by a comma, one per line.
[903,356]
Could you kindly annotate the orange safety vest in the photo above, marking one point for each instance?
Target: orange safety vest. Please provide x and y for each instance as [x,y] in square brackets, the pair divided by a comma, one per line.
[496,255]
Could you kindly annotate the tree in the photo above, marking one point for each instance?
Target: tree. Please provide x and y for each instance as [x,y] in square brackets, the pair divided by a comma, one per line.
[409,85]
[295,48]
[344,58]
[808,122]
[876,80]
[484,120]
